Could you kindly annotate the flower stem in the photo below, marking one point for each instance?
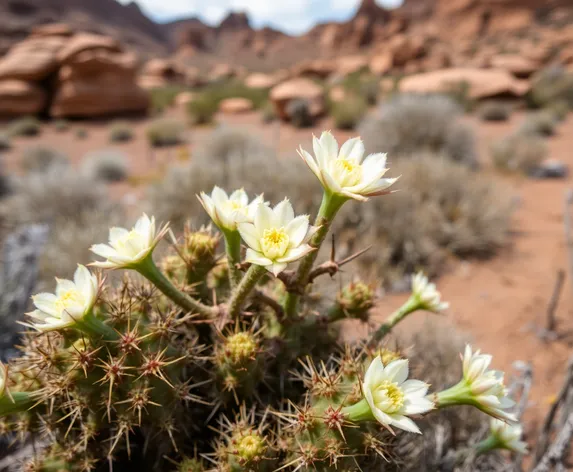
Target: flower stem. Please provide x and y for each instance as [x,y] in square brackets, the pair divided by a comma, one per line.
[488,444]
[459,394]
[243,290]
[16,402]
[93,326]
[410,306]
[329,207]
[233,250]
[149,270]
[360,411]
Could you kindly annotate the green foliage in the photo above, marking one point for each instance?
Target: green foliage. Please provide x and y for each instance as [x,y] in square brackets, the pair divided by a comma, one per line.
[162,98]
[165,132]
[551,85]
[41,159]
[298,112]
[269,114]
[540,123]
[409,124]
[120,132]
[365,86]
[202,109]
[348,113]
[25,126]
[494,111]
[107,165]
[519,152]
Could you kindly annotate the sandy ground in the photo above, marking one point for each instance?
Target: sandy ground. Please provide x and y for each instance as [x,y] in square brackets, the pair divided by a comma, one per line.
[500,303]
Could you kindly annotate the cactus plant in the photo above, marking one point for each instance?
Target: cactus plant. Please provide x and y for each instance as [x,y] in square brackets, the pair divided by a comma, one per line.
[213,356]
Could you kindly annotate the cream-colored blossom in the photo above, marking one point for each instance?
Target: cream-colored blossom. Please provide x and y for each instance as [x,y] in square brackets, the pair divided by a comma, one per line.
[391,397]
[426,294]
[508,436]
[276,237]
[227,211]
[70,303]
[346,172]
[127,248]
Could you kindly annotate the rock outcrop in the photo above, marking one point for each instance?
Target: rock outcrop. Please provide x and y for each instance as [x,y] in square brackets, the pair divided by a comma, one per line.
[18,97]
[297,89]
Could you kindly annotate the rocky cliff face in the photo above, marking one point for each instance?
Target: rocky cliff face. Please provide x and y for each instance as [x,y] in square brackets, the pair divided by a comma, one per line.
[125,22]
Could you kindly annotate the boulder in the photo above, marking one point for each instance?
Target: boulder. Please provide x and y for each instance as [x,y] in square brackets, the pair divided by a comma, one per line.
[320,68]
[222,72]
[482,83]
[258,80]
[294,89]
[515,64]
[84,42]
[52,29]
[337,94]
[349,64]
[33,59]
[381,63]
[184,98]
[161,72]
[18,97]
[235,105]
[96,83]
[405,48]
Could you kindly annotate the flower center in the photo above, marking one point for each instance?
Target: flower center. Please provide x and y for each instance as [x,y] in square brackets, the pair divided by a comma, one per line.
[388,396]
[275,243]
[347,172]
[69,298]
[250,447]
[233,205]
[241,347]
[128,243]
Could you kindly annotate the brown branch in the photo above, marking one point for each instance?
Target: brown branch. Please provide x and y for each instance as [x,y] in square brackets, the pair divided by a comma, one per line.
[545,433]
[559,449]
[271,302]
[332,267]
[568,224]
[552,307]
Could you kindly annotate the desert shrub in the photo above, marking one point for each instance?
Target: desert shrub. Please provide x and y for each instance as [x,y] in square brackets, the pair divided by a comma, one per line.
[165,132]
[61,125]
[25,126]
[81,133]
[120,132]
[5,143]
[560,109]
[519,152]
[409,124]
[494,111]
[550,85]
[43,159]
[107,165]
[365,86]
[459,92]
[448,209]
[541,123]
[268,112]
[348,113]
[231,158]
[162,98]
[202,109]
[234,88]
[299,115]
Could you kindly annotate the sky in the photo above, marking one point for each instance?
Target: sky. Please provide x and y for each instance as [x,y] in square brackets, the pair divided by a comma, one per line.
[290,16]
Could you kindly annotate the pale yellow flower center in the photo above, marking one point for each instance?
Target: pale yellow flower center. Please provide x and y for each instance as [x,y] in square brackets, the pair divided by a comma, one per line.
[347,172]
[233,205]
[388,396]
[67,299]
[250,446]
[275,243]
[241,347]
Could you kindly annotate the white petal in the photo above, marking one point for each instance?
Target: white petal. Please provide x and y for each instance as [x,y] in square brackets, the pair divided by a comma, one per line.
[117,233]
[143,225]
[415,406]
[310,162]
[329,182]
[64,285]
[250,235]
[240,196]
[353,149]
[103,250]
[219,196]
[297,230]
[374,374]
[405,423]
[380,416]
[374,164]
[277,268]
[329,146]
[319,152]
[257,258]
[295,253]
[378,187]
[415,387]
[264,217]
[397,371]
[283,213]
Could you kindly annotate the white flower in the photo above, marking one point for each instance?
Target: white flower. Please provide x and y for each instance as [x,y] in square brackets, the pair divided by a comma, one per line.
[276,237]
[391,397]
[346,173]
[508,436]
[486,386]
[129,247]
[426,294]
[71,302]
[3,378]
[227,211]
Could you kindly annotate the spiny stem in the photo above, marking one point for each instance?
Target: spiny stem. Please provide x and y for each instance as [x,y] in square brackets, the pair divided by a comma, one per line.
[93,326]
[149,270]
[243,290]
[233,250]
[16,402]
[328,208]
[409,307]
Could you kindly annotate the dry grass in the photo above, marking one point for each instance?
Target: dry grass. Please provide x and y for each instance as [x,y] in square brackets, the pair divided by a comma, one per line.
[107,165]
[165,132]
[409,124]
[42,159]
[519,152]
[494,111]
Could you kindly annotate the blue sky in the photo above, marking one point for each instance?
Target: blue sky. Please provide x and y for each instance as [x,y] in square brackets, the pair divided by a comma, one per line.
[291,16]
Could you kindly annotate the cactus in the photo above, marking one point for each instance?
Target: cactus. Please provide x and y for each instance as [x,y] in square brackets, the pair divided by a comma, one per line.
[213,357]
